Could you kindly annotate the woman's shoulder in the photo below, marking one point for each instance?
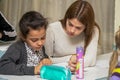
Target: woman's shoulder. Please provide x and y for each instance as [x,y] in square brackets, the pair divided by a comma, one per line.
[96,29]
[55,26]
[55,23]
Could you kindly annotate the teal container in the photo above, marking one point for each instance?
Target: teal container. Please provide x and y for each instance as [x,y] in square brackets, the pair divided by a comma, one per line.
[53,72]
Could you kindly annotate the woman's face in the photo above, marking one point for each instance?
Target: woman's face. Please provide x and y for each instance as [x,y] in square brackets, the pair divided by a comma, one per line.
[74,27]
[36,38]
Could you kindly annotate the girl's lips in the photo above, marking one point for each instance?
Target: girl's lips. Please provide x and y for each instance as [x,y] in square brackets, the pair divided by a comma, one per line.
[38,48]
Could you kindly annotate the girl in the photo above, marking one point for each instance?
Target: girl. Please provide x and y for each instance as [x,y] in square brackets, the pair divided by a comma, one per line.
[114,69]
[27,55]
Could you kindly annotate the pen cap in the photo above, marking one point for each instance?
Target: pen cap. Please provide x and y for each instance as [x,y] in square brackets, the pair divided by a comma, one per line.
[79,52]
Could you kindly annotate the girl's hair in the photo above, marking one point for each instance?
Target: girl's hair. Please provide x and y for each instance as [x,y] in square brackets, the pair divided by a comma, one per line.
[83,11]
[116,52]
[31,20]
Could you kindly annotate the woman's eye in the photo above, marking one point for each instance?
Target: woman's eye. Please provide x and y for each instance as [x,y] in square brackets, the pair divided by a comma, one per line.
[70,24]
[78,28]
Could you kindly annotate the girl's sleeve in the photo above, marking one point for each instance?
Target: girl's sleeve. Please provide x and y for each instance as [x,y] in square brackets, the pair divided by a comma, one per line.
[44,53]
[14,63]
[91,50]
[114,78]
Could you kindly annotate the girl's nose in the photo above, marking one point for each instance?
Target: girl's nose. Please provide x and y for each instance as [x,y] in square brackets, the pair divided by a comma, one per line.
[40,42]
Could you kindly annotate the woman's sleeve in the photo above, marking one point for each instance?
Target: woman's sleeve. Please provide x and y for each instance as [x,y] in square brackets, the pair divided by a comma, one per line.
[49,44]
[14,63]
[91,50]
[64,59]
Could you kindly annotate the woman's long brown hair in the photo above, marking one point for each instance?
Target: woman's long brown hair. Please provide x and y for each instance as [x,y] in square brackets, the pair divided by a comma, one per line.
[82,11]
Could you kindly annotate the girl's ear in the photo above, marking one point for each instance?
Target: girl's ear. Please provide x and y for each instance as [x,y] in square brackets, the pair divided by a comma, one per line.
[22,37]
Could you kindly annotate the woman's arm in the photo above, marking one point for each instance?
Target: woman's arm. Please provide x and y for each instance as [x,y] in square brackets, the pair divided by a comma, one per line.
[49,43]
[49,47]
[60,59]
[91,50]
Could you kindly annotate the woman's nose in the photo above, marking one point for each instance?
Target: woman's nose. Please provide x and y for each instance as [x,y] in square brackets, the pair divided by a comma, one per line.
[72,30]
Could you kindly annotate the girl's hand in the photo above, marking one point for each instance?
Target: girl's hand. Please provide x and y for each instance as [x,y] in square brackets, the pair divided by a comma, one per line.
[46,61]
[37,68]
[72,63]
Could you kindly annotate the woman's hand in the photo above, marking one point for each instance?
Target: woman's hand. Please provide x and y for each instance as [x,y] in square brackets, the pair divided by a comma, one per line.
[46,61]
[72,63]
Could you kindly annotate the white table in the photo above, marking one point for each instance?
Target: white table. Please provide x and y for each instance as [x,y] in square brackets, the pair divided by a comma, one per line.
[91,73]
[4,47]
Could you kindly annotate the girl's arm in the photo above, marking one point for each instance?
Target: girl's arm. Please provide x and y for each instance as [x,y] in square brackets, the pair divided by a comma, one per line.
[14,61]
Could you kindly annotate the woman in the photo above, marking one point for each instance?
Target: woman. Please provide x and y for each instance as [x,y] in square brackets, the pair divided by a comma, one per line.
[78,28]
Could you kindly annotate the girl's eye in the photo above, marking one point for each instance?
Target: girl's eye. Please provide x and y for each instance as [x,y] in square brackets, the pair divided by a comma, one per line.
[42,38]
[37,39]
[34,39]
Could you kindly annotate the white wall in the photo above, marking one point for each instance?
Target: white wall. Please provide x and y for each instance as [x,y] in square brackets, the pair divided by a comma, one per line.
[117,15]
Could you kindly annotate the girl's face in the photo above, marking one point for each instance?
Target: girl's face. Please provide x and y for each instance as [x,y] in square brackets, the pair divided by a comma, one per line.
[36,38]
[74,27]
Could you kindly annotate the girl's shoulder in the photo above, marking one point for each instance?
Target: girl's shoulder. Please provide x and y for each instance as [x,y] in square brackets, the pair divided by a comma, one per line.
[17,44]
[116,73]
[114,78]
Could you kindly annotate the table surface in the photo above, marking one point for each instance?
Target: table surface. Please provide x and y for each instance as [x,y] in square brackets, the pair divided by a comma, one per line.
[4,47]
[90,73]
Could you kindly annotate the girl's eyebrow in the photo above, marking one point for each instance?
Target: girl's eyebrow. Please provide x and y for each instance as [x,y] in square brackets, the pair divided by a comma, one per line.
[38,38]
[43,35]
